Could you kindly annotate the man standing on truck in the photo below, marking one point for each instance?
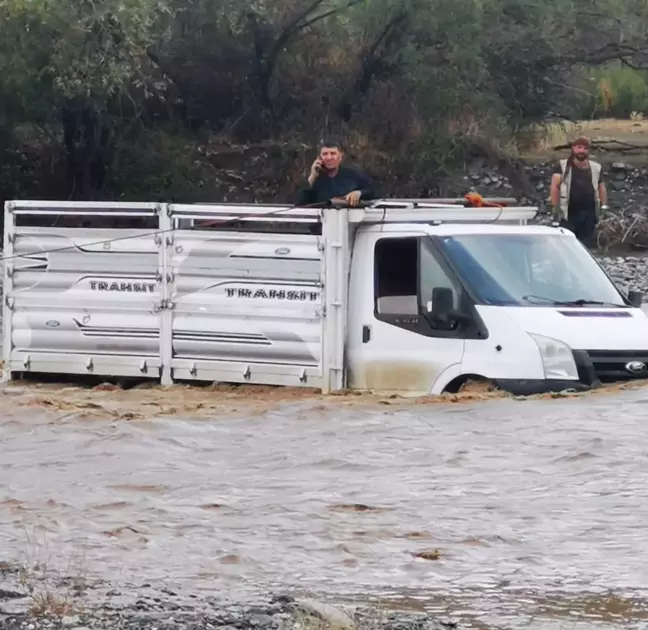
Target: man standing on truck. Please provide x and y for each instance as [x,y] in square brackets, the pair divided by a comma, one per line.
[328,180]
[578,193]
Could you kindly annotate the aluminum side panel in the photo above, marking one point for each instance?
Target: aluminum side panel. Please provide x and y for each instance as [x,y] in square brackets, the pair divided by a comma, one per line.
[246,299]
[81,292]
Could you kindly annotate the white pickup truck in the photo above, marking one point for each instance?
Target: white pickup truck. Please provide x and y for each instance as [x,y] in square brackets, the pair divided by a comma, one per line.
[411,297]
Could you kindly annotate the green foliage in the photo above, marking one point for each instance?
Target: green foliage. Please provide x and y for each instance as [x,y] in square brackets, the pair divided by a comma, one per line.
[100,83]
[620,91]
[67,49]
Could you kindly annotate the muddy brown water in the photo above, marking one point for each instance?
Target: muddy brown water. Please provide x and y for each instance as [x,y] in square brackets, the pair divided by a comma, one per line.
[503,513]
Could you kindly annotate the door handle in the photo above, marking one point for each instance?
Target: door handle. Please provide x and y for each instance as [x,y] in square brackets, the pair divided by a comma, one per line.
[366,334]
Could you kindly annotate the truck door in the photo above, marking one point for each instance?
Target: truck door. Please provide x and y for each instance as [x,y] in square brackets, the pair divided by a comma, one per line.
[392,346]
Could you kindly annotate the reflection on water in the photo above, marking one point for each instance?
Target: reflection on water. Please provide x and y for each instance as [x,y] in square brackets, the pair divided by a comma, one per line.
[527,512]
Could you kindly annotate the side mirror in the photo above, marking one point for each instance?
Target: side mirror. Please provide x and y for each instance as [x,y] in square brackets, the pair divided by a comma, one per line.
[635,298]
[441,307]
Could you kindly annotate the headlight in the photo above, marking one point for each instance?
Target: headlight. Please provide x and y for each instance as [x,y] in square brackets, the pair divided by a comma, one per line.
[557,358]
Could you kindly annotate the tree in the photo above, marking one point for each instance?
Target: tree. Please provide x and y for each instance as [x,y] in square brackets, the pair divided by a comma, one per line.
[73,64]
[414,82]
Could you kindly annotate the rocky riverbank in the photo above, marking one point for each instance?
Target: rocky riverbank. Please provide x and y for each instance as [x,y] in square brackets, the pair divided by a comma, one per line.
[627,185]
[625,225]
[167,610]
[628,272]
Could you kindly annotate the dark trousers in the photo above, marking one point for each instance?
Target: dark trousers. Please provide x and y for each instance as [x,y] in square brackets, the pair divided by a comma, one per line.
[583,225]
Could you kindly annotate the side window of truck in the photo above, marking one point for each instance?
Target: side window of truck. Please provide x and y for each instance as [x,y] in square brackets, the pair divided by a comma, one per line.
[396,276]
[432,275]
[405,274]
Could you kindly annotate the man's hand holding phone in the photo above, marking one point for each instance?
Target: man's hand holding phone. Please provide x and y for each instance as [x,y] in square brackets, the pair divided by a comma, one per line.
[316,169]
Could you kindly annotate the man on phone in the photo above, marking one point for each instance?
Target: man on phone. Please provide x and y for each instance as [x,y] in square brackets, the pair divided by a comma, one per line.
[328,180]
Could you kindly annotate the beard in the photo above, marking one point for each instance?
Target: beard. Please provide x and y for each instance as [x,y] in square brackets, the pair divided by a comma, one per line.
[581,157]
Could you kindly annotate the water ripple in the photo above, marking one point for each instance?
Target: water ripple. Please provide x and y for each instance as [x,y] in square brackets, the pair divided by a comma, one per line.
[454,502]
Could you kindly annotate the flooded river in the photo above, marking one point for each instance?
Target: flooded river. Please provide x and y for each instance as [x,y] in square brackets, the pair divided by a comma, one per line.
[502,512]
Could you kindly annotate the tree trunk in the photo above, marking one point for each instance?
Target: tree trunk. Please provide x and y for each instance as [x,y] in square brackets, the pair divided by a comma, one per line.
[85,139]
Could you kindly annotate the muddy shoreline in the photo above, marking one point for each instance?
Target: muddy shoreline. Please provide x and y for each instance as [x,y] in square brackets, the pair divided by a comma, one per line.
[25,605]
[151,401]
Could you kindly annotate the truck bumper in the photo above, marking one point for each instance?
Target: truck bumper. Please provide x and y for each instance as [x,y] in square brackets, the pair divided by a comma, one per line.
[587,379]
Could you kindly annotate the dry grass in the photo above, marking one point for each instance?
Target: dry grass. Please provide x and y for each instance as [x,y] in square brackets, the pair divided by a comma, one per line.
[538,141]
[615,230]
[48,604]
[51,593]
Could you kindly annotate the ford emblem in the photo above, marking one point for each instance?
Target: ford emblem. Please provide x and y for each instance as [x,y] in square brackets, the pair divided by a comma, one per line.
[636,367]
[282,251]
[52,323]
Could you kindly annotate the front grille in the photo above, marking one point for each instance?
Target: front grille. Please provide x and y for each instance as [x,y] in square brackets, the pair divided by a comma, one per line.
[613,365]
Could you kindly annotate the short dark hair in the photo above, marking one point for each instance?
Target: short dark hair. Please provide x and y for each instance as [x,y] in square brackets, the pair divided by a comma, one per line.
[331,143]
[581,141]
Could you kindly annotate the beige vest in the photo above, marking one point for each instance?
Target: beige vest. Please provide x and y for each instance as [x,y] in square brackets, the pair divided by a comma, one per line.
[565,187]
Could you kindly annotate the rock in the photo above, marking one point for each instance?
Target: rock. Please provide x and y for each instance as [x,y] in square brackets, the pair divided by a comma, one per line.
[332,615]
[261,621]
[282,599]
[15,607]
[11,390]
[619,166]
[11,591]
[627,272]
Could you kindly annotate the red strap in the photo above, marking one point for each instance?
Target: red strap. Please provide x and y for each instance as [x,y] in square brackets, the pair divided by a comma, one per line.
[477,201]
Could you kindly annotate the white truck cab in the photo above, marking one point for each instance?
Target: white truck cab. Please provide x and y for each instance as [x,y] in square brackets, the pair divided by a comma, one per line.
[411,297]
[526,307]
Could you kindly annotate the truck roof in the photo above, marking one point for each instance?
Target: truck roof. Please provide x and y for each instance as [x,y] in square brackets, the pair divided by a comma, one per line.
[386,214]
[448,229]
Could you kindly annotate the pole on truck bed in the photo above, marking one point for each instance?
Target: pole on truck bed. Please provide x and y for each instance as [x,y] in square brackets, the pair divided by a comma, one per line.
[335,243]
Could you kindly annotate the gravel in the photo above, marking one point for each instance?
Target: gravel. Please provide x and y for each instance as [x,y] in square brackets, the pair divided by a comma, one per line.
[628,272]
[35,598]
[626,184]
[171,612]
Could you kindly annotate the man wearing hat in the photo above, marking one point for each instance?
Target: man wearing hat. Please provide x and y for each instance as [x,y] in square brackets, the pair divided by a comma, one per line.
[578,194]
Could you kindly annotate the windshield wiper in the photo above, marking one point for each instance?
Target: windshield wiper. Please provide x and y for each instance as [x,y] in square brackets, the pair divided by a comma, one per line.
[583,302]
[579,302]
[532,298]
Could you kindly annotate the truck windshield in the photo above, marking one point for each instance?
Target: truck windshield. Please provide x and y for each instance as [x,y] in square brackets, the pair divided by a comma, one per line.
[530,269]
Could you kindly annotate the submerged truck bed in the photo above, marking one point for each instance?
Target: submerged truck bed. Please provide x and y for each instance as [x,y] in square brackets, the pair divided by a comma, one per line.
[159,303]
[182,299]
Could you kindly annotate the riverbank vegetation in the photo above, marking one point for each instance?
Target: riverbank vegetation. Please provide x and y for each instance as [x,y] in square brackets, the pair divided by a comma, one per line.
[208,99]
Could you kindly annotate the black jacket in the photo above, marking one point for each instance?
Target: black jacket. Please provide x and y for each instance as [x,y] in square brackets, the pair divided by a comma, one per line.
[346,180]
